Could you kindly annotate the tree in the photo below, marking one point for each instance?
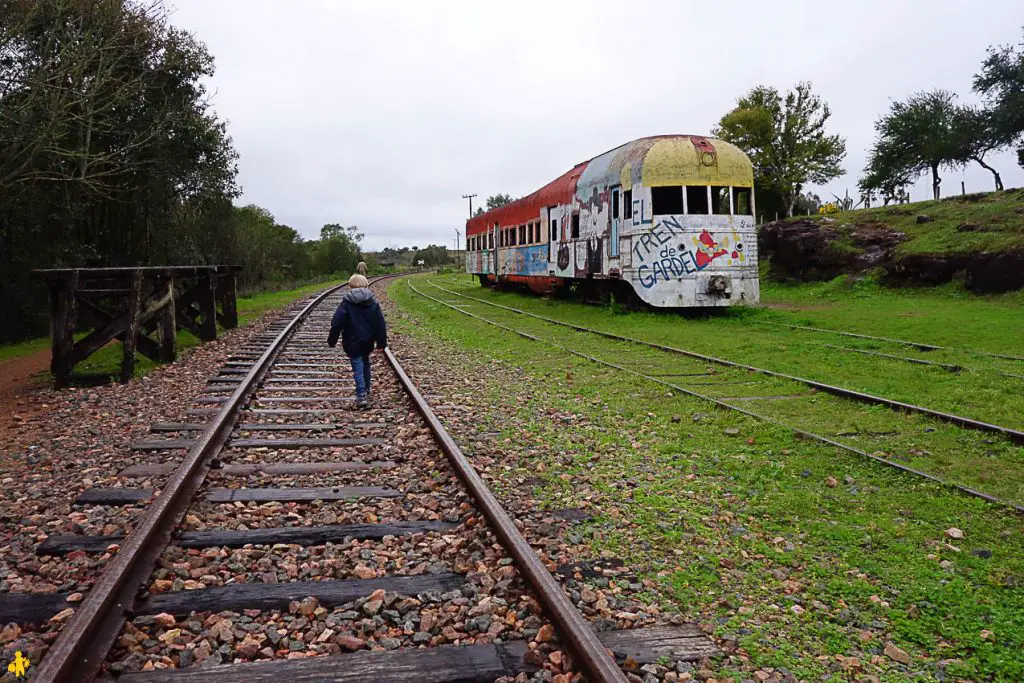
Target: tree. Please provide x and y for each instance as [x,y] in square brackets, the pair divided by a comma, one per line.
[1001,83]
[921,135]
[494,201]
[977,135]
[109,154]
[337,251]
[432,255]
[785,139]
[807,203]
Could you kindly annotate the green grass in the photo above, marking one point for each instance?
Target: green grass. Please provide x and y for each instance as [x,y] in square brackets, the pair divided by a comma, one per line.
[747,335]
[25,348]
[108,359]
[708,514]
[996,213]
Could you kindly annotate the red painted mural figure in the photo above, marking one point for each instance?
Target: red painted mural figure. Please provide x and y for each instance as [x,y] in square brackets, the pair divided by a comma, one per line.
[707,250]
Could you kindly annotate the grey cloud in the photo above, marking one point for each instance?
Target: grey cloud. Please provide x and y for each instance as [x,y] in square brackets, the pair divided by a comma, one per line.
[384,114]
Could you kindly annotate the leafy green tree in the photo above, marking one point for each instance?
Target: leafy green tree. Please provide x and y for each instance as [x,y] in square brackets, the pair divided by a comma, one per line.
[977,135]
[494,201]
[1001,83]
[432,255]
[785,138]
[920,135]
[109,154]
[337,251]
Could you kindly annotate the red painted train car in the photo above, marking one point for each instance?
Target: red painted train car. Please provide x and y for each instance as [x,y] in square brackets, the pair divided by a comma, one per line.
[666,219]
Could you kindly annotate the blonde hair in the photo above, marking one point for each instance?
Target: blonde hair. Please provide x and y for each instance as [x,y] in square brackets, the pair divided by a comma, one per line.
[361,268]
[357,281]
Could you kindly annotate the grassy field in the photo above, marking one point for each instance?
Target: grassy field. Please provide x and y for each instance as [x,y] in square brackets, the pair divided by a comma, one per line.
[108,359]
[807,556]
[982,390]
[993,219]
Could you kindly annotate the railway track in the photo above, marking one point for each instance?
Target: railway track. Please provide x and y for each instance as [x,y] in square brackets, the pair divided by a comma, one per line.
[280,524]
[1014,435]
[731,403]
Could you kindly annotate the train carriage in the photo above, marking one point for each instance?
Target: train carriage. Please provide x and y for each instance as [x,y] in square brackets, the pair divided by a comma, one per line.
[668,220]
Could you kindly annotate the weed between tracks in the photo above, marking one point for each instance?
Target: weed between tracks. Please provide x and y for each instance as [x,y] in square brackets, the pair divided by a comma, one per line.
[802,556]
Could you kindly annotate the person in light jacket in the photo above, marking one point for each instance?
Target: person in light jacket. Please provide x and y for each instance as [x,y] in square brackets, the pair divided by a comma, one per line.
[360,324]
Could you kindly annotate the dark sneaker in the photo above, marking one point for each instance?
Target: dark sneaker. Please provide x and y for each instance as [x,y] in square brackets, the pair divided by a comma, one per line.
[362,403]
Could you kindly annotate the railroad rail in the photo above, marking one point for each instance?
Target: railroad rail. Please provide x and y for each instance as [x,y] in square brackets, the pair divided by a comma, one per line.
[289,366]
[1014,435]
[689,392]
[920,346]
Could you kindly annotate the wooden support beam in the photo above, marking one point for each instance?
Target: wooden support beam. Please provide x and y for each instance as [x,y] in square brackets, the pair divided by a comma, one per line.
[95,315]
[167,326]
[207,298]
[63,315]
[132,330]
[228,302]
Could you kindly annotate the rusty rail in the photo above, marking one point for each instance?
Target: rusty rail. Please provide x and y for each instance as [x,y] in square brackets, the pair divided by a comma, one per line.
[721,403]
[917,345]
[79,651]
[588,650]
[1014,435]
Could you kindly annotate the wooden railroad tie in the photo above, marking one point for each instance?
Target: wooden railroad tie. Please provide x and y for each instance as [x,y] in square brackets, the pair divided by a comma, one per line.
[143,471]
[129,496]
[475,663]
[317,535]
[174,444]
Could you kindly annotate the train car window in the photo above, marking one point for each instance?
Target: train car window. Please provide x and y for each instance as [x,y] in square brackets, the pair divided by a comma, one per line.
[554,229]
[536,232]
[615,203]
[627,204]
[667,200]
[741,201]
[575,225]
[697,199]
[522,235]
[720,201]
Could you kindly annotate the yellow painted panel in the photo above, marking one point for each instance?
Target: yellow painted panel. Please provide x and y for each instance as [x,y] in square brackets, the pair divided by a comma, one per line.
[676,161]
[626,176]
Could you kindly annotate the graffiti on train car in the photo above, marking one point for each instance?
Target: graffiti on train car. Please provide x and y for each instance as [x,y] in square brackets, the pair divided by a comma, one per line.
[525,260]
[661,261]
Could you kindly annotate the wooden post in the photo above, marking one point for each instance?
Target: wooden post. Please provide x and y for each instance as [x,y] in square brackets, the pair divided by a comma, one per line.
[63,314]
[228,304]
[167,330]
[134,309]
[208,307]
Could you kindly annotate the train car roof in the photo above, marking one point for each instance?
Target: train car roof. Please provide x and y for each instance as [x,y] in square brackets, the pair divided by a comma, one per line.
[651,161]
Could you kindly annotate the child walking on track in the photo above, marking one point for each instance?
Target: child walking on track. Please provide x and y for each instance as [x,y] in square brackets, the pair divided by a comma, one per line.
[360,323]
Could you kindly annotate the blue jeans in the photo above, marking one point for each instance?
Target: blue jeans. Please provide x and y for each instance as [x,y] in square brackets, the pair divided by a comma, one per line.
[361,372]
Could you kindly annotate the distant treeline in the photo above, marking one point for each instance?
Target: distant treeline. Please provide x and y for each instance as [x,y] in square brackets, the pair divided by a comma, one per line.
[110,155]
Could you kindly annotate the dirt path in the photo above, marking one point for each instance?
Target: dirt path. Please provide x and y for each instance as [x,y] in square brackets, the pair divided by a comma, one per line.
[20,385]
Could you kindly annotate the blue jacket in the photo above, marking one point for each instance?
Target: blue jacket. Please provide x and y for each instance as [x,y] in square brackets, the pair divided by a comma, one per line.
[360,323]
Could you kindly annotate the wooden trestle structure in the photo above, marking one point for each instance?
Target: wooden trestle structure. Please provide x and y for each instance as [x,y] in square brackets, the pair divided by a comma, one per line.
[131,304]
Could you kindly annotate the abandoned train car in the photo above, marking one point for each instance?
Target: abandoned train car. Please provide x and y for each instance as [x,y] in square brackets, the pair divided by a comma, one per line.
[668,220]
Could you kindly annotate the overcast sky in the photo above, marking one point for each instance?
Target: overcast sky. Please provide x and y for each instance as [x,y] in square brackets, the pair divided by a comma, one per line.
[383,114]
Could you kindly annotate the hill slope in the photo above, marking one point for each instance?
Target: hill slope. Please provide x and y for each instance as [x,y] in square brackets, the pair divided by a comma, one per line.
[979,237]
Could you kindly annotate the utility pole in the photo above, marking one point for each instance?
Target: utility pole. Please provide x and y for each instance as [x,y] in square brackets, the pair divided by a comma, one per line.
[470,198]
[457,243]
